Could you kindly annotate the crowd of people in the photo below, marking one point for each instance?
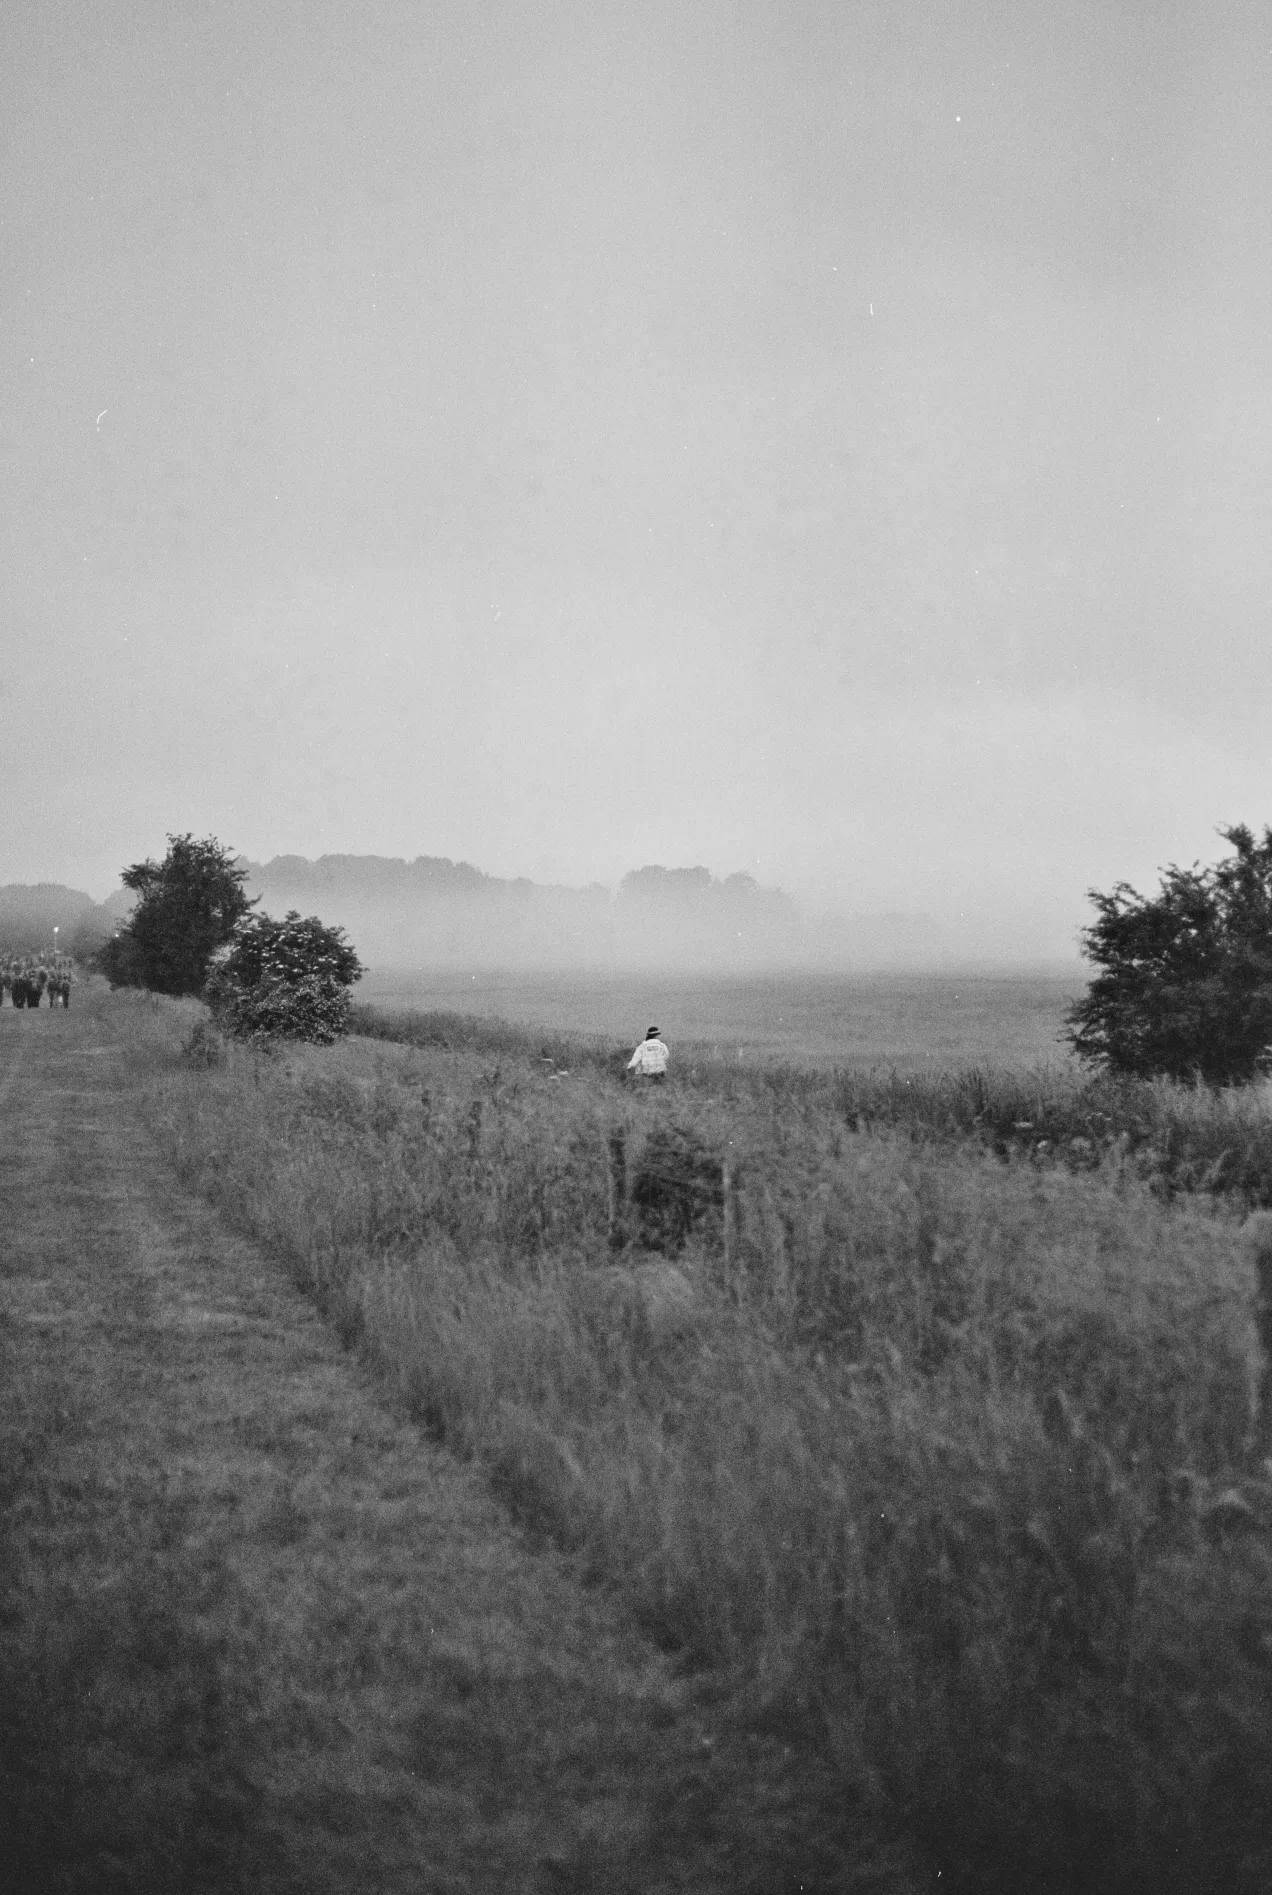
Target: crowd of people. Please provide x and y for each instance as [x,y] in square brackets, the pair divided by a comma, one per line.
[25,977]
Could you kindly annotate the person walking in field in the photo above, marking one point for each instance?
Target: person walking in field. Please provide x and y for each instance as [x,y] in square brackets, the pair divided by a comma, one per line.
[649,1061]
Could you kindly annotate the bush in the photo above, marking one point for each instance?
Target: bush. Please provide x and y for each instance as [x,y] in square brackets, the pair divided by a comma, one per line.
[1186,986]
[286,979]
[117,958]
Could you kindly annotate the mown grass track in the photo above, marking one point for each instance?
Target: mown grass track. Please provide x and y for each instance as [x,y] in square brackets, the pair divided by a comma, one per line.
[255,1631]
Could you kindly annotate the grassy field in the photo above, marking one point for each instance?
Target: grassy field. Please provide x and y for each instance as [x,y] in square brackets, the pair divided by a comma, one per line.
[912,1418]
[257,1633]
[919,1023]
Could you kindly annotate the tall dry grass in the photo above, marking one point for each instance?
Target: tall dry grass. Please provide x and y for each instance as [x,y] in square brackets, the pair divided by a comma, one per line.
[1177,1137]
[939,1464]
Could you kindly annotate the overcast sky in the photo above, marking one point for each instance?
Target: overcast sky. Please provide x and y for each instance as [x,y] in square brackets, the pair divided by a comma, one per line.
[832,440]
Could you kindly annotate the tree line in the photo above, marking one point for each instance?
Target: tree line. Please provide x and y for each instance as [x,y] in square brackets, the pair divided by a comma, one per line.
[1183,987]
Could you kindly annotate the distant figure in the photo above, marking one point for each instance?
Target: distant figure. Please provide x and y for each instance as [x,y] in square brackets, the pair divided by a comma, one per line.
[649,1061]
[28,984]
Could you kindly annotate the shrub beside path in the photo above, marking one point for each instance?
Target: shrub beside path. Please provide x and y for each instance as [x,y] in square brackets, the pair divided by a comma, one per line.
[256,1632]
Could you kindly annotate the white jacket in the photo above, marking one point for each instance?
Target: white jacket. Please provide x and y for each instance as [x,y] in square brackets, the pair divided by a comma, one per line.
[651,1056]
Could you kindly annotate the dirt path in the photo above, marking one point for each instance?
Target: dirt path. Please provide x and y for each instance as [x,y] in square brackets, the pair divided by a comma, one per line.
[255,1632]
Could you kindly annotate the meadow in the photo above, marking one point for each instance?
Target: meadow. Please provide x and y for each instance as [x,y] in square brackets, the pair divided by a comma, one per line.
[917,1417]
[914,1022]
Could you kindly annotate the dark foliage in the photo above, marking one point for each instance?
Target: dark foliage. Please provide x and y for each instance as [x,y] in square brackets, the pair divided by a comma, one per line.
[1185,987]
[285,979]
[117,958]
[676,1184]
[188,906]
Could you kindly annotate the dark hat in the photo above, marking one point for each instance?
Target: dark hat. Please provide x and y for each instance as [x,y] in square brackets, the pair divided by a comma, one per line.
[653,1033]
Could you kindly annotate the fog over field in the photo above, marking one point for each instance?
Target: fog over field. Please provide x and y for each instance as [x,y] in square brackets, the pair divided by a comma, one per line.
[433,913]
[431,917]
[828,444]
[726,967]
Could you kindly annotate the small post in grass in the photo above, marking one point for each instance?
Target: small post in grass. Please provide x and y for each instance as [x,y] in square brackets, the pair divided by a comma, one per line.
[1258,1233]
[616,1188]
[729,1206]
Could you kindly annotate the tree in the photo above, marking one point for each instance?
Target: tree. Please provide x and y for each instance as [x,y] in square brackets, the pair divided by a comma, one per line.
[286,979]
[1186,981]
[188,906]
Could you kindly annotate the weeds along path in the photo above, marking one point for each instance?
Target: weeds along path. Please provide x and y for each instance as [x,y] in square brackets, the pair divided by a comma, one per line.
[255,1632]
